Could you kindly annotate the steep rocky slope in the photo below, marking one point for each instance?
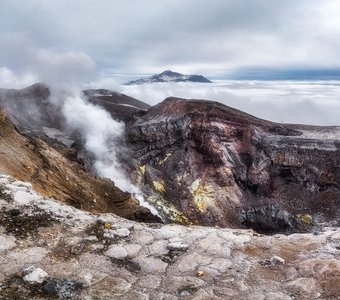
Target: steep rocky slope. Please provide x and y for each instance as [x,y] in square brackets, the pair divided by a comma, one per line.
[31,159]
[49,250]
[219,166]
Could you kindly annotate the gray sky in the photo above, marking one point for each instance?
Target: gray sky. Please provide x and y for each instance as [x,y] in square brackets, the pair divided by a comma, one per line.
[209,37]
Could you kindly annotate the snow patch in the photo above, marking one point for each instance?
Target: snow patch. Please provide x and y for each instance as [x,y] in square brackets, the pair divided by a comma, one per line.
[322,134]
[128,105]
[99,95]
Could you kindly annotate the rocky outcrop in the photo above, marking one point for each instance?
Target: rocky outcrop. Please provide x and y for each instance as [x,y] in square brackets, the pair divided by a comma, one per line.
[120,106]
[30,109]
[78,255]
[268,219]
[208,164]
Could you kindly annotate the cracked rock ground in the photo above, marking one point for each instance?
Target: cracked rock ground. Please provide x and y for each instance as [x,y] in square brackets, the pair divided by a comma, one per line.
[55,251]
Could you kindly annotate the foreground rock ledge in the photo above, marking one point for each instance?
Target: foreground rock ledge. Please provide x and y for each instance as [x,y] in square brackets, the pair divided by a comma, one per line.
[79,255]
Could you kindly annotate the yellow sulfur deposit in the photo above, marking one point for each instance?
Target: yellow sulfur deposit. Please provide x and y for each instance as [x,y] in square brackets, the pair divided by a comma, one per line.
[202,194]
[159,185]
[141,169]
[167,209]
[305,218]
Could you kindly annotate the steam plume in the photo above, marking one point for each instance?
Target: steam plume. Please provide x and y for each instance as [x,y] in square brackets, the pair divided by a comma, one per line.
[102,135]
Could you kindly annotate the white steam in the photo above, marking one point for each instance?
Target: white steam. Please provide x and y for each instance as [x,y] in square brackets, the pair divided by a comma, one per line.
[103,139]
[64,73]
[101,134]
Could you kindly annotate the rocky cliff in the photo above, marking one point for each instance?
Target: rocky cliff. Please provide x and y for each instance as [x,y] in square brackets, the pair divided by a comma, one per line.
[219,166]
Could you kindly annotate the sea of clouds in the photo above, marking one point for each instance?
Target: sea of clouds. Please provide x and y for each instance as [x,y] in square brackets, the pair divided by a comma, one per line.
[305,102]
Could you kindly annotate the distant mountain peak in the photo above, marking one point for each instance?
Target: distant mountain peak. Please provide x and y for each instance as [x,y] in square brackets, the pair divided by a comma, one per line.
[170,73]
[169,76]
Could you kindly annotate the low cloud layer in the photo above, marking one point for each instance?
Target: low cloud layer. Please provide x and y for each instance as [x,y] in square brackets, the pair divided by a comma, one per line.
[9,79]
[305,102]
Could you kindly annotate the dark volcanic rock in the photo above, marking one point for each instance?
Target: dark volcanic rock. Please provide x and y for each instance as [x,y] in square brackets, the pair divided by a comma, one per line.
[268,219]
[62,288]
[120,106]
[206,161]
[29,108]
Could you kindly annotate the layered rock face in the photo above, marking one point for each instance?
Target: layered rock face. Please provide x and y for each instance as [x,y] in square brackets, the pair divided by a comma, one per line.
[206,163]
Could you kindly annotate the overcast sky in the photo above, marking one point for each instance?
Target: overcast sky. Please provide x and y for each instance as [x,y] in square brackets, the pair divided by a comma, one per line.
[210,37]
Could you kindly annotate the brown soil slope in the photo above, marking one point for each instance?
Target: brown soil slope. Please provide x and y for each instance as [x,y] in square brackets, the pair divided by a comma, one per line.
[32,160]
